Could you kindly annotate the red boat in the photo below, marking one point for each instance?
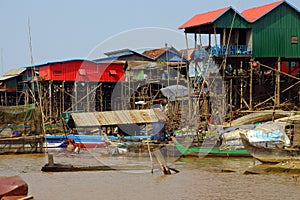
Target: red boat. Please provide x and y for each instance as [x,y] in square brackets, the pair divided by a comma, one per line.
[12,186]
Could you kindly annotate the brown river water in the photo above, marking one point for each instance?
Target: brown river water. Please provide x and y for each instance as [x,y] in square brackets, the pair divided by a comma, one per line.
[199,178]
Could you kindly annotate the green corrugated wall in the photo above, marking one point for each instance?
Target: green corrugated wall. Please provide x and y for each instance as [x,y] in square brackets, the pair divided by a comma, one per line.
[226,21]
[272,33]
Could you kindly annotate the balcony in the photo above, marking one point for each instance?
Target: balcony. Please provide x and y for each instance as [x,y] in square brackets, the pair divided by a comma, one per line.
[222,50]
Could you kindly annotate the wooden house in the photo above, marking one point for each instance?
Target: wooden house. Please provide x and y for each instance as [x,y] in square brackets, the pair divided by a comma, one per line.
[165,54]
[82,70]
[12,84]
[257,48]
[275,30]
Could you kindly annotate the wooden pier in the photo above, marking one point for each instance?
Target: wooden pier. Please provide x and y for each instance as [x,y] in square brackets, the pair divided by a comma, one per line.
[22,144]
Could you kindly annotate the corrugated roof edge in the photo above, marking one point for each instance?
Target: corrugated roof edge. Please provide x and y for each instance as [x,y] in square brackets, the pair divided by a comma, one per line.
[279,4]
[240,13]
[70,60]
[181,27]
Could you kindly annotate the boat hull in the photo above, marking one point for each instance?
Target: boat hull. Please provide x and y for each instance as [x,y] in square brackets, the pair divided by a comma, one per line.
[12,186]
[85,141]
[270,155]
[213,151]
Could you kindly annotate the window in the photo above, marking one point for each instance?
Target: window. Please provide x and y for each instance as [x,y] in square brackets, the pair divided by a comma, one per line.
[82,72]
[57,73]
[294,40]
[112,72]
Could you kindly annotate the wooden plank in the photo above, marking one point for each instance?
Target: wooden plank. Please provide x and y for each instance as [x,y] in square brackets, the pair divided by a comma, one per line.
[296,133]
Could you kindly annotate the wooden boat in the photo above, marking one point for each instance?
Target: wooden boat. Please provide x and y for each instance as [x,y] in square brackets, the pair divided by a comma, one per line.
[85,141]
[12,186]
[210,150]
[270,154]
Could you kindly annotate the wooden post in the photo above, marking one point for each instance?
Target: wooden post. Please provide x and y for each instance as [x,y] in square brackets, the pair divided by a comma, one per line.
[230,100]
[209,40]
[50,160]
[63,97]
[242,94]
[215,34]
[148,145]
[224,36]
[88,96]
[251,85]
[188,79]
[195,40]
[5,98]
[76,95]
[200,38]
[278,82]
[50,101]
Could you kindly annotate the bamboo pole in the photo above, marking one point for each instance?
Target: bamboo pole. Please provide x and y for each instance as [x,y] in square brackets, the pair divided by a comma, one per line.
[76,96]
[280,72]
[230,96]
[188,79]
[149,150]
[195,40]
[251,85]
[62,92]
[88,96]
[278,83]
[215,34]
[50,100]
[200,38]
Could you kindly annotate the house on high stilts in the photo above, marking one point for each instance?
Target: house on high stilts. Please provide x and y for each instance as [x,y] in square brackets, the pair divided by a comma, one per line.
[257,53]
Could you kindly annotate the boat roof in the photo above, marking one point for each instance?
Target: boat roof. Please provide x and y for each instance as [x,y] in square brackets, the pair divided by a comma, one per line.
[110,118]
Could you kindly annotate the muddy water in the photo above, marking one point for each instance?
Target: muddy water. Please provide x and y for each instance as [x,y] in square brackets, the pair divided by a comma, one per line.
[200,178]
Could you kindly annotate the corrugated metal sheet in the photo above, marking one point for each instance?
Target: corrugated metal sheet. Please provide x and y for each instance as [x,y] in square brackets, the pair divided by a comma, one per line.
[14,72]
[107,118]
[86,119]
[272,33]
[204,18]
[232,19]
[3,78]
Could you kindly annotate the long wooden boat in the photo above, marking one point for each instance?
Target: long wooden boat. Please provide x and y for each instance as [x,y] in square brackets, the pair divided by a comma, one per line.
[270,154]
[87,141]
[210,151]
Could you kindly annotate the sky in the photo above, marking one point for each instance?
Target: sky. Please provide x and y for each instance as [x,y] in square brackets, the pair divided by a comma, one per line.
[71,29]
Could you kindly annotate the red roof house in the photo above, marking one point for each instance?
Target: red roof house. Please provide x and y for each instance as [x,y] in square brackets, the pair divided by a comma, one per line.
[82,70]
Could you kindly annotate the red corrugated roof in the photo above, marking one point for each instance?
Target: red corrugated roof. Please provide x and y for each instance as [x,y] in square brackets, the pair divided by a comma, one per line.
[204,18]
[253,14]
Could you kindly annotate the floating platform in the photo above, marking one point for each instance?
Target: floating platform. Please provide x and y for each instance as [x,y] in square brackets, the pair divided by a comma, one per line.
[22,144]
[74,168]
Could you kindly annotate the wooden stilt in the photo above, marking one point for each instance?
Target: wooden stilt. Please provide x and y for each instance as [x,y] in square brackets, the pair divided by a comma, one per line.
[278,83]
[251,85]
[148,145]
